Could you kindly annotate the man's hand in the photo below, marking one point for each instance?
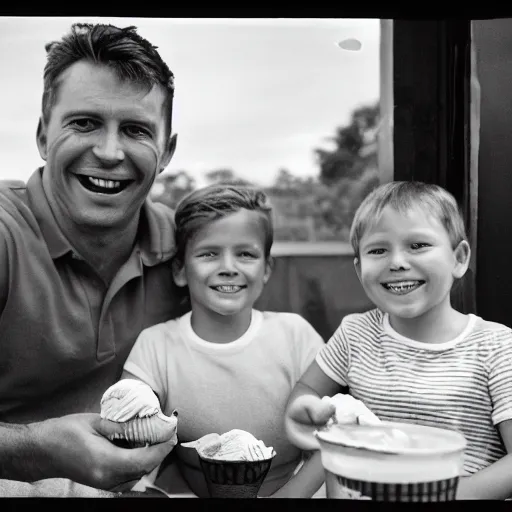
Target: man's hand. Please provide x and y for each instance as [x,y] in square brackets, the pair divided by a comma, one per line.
[76,447]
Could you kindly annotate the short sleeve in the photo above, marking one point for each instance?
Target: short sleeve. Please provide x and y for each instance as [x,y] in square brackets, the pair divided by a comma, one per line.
[147,361]
[334,357]
[310,343]
[500,376]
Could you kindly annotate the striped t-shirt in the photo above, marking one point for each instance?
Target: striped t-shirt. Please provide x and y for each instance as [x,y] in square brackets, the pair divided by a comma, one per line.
[464,384]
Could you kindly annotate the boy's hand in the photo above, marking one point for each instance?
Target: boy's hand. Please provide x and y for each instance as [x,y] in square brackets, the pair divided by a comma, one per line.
[305,414]
[311,410]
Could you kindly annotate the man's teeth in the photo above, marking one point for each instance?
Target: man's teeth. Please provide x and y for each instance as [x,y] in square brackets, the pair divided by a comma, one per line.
[404,286]
[228,288]
[104,183]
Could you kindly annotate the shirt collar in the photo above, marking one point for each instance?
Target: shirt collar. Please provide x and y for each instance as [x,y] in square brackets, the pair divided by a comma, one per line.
[156,228]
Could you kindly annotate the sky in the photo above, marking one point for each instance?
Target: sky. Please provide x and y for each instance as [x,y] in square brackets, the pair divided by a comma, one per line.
[254,96]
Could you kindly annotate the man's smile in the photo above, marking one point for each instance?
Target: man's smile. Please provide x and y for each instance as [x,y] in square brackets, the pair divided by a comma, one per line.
[102,186]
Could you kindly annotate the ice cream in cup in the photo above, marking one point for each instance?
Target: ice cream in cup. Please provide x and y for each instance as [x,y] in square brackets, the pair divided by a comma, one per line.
[234,464]
[391,461]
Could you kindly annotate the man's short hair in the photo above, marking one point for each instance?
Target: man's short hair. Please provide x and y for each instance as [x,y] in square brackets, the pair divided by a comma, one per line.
[132,58]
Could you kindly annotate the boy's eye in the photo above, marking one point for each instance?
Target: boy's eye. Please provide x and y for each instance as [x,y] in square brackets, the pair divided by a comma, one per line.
[419,245]
[206,254]
[248,254]
[376,251]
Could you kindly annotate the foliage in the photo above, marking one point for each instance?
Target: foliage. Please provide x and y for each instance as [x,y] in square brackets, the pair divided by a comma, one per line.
[309,208]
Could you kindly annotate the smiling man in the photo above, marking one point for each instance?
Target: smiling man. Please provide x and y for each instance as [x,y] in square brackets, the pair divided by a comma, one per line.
[84,260]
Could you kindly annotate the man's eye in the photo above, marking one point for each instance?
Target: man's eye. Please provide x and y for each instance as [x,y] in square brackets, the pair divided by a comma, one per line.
[137,131]
[248,254]
[207,254]
[376,251]
[83,124]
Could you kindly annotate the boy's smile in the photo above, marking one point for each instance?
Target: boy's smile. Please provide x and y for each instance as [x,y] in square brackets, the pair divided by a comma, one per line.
[403,287]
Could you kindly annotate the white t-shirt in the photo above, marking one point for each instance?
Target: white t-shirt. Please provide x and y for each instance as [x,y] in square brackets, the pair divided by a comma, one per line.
[217,387]
[464,384]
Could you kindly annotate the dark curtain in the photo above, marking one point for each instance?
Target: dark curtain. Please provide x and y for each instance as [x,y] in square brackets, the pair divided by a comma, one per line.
[432,98]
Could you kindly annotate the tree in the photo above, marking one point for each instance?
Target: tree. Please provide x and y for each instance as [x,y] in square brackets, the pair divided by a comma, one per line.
[170,188]
[345,160]
[226,176]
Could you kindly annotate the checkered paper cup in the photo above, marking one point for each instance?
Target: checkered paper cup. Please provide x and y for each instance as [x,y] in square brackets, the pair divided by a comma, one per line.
[426,471]
[234,479]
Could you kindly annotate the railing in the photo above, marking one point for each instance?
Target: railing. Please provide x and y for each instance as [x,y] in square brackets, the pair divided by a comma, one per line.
[316,280]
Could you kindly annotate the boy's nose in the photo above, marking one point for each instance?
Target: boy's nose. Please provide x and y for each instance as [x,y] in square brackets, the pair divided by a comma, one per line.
[228,265]
[398,261]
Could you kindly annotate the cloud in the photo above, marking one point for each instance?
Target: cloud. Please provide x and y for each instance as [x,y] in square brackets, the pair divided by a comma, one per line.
[251,95]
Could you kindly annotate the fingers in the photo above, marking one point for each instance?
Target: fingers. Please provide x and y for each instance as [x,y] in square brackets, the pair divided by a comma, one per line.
[108,428]
[311,410]
[321,411]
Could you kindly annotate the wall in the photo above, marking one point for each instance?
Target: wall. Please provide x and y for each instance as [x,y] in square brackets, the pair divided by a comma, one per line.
[493,45]
[316,280]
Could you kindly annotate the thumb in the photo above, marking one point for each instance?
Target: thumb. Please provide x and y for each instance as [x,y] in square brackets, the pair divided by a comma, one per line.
[108,428]
[321,411]
[311,410]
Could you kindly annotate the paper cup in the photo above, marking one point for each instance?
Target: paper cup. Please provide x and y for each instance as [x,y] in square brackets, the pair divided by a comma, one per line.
[234,479]
[357,469]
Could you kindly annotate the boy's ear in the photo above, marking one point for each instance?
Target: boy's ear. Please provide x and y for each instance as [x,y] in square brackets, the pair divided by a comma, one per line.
[357,265]
[462,257]
[269,266]
[178,273]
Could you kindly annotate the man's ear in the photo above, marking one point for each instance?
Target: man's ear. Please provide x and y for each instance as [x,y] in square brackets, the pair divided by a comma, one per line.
[41,139]
[357,266]
[178,273]
[169,152]
[269,266]
[462,256]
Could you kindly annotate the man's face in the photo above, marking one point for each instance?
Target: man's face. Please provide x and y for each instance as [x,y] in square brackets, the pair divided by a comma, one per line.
[104,144]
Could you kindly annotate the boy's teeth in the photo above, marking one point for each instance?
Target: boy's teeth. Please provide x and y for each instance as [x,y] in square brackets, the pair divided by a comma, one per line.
[228,288]
[105,183]
[403,286]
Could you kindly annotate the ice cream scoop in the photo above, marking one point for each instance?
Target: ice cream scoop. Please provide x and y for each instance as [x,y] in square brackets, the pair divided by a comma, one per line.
[134,404]
[350,410]
[233,445]
[234,464]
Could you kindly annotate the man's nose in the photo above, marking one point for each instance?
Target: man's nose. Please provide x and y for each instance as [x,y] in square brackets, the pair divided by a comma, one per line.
[108,148]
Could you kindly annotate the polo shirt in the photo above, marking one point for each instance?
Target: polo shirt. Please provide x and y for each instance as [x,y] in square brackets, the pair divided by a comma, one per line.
[64,334]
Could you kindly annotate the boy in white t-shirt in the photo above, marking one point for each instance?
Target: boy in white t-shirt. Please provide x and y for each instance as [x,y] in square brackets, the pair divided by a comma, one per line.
[226,365]
[415,359]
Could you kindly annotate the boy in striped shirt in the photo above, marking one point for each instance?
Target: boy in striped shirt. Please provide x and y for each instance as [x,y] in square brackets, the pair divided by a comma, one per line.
[415,359]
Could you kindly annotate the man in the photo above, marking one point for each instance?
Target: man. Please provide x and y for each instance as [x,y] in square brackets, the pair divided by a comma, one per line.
[84,258]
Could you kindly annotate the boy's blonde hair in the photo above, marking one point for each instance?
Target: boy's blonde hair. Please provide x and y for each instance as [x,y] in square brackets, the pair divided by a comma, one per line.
[403,196]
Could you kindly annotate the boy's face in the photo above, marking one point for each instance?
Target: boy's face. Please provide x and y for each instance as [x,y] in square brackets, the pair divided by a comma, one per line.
[407,265]
[225,266]
[104,144]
